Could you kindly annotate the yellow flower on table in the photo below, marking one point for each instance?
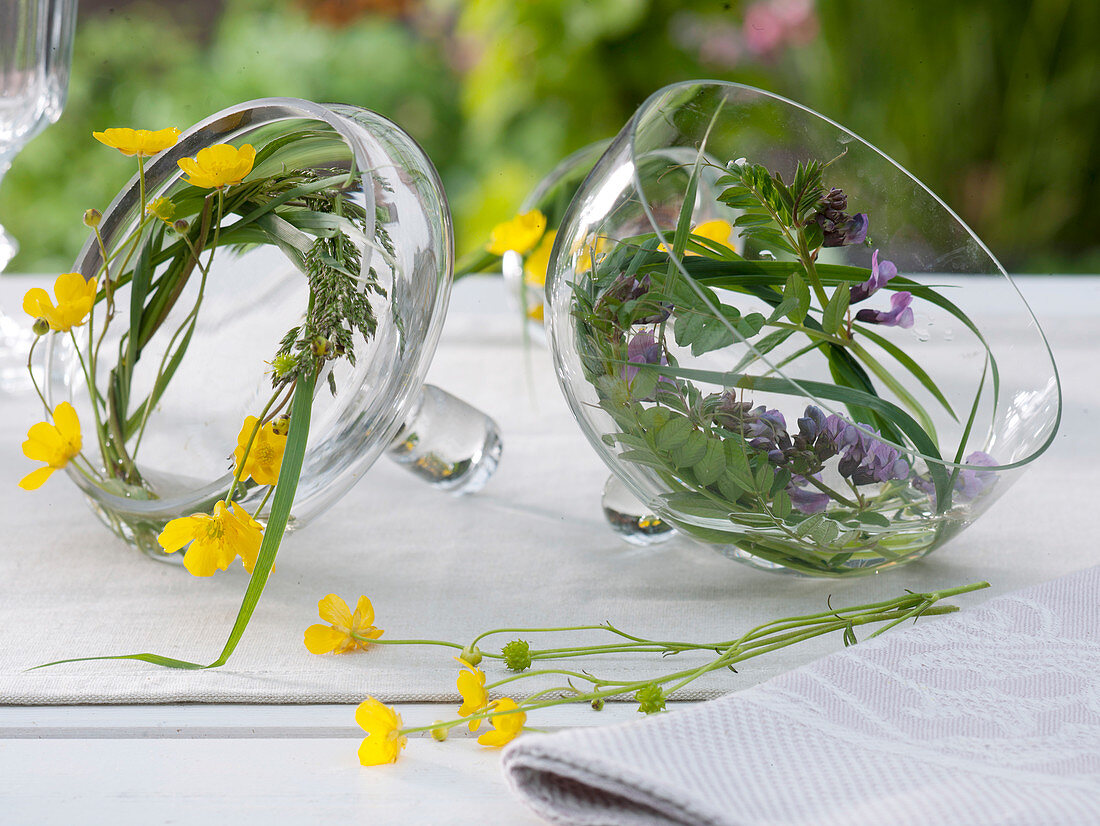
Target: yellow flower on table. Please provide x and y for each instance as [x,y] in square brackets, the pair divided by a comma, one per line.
[213,541]
[55,444]
[141,142]
[471,685]
[384,739]
[265,456]
[507,726]
[218,166]
[75,298]
[520,234]
[345,631]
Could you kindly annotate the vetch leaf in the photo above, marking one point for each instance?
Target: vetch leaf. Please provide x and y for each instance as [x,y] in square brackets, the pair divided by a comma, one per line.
[710,467]
[833,317]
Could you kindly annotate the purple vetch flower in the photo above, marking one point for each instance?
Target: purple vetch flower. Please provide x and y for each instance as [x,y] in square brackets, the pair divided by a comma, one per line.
[880,274]
[851,231]
[900,313]
[643,348]
[628,288]
[806,501]
[969,484]
[838,227]
[762,428]
[867,459]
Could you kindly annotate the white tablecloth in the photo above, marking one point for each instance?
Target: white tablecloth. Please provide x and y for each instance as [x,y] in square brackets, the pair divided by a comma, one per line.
[531,549]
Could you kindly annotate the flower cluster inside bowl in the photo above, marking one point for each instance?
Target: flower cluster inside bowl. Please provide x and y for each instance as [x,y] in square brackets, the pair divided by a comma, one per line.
[278,249]
[837,381]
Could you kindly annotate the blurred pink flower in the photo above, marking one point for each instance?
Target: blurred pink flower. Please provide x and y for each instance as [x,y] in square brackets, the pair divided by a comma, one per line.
[774,24]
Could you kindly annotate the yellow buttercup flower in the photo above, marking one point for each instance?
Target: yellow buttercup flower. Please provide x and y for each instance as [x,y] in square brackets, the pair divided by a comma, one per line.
[140,142]
[265,456]
[214,540]
[339,636]
[520,234]
[384,739]
[506,727]
[537,313]
[217,166]
[590,251]
[162,208]
[75,298]
[471,685]
[55,444]
[536,263]
[718,231]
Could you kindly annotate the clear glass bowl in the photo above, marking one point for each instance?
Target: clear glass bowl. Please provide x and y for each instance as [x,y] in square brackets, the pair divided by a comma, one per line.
[254,294]
[761,391]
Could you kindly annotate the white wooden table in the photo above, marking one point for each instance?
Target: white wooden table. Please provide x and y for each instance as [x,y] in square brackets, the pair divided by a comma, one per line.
[202,764]
[197,764]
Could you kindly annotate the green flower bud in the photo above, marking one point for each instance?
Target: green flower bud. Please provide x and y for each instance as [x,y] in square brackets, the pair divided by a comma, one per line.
[517,655]
[440,732]
[471,654]
[597,704]
[320,346]
[281,426]
[651,699]
[92,217]
[180,225]
[283,364]
[41,327]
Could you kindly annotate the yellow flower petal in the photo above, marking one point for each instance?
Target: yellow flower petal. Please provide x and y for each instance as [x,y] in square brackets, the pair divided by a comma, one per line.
[265,455]
[718,231]
[536,263]
[506,727]
[520,234]
[334,611]
[55,444]
[219,165]
[36,478]
[206,555]
[192,168]
[364,614]
[44,436]
[322,639]
[70,287]
[141,142]
[35,299]
[75,299]
[377,751]
[384,740]
[67,423]
[179,532]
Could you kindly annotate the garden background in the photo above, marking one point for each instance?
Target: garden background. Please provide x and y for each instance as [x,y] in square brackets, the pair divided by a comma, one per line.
[994,104]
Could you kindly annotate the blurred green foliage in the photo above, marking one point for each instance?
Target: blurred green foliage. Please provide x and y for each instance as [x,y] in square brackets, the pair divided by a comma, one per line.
[995,104]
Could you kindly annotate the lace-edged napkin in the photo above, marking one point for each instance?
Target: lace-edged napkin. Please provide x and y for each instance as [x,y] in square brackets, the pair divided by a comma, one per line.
[989,716]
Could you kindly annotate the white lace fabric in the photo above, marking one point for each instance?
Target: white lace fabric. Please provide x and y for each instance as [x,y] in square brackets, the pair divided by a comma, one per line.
[989,716]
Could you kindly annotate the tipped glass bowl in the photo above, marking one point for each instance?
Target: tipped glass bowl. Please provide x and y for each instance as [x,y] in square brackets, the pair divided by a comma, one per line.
[784,344]
[254,294]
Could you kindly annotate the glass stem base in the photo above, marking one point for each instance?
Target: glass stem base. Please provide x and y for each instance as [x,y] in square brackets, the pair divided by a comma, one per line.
[449,444]
[630,519]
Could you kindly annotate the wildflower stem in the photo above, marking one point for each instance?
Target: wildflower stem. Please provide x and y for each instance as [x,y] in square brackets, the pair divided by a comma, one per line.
[100,435]
[821,486]
[480,637]
[34,379]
